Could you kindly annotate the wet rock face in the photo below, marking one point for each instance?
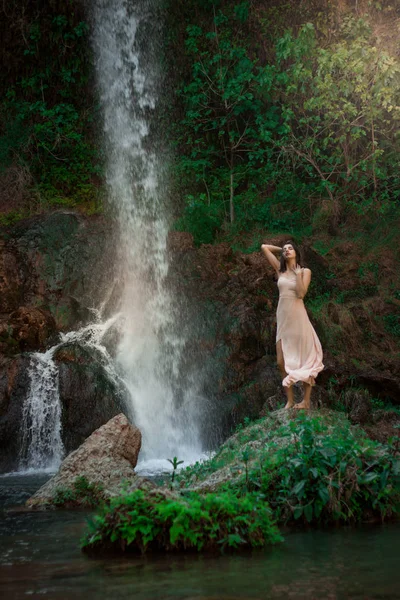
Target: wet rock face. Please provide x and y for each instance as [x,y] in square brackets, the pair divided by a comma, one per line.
[89,398]
[32,328]
[61,263]
[234,299]
[235,296]
[14,383]
[12,278]
[54,270]
[108,457]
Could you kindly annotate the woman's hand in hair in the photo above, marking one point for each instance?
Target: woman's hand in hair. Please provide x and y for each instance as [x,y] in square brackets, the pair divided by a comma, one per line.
[269,252]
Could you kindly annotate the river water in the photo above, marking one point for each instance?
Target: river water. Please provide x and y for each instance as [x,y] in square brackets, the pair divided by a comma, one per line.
[40,558]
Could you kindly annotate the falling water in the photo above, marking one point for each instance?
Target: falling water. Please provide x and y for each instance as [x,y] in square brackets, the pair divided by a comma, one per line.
[41,446]
[165,401]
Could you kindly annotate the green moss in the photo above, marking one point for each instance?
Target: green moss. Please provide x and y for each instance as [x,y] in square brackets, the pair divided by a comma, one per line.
[83,494]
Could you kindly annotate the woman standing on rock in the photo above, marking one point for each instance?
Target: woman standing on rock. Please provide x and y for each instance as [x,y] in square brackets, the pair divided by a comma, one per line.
[298,349]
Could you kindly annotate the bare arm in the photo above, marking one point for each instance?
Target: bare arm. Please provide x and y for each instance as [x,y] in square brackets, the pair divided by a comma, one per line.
[269,251]
[303,278]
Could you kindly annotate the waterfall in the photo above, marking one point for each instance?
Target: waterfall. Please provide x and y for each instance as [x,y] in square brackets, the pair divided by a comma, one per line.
[165,401]
[41,447]
[151,357]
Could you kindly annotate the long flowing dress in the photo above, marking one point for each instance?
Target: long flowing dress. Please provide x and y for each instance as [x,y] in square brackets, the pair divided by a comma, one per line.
[301,348]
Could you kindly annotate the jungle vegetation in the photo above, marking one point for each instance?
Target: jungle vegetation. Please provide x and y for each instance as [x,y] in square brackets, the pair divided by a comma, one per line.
[288,115]
[285,115]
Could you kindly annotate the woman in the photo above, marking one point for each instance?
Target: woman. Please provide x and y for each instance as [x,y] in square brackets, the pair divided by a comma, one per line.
[298,349]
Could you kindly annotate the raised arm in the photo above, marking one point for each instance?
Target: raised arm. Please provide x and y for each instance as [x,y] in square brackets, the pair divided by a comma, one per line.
[269,252]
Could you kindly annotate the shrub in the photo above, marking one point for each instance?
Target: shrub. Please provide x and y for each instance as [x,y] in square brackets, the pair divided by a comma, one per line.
[199,219]
[316,469]
[326,474]
[142,521]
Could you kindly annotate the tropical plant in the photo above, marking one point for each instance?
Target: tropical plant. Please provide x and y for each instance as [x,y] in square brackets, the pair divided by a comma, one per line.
[317,469]
[141,521]
[327,474]
[175,464]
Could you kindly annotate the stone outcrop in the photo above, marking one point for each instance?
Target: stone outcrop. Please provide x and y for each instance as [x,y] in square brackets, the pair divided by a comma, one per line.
[107,458]
[235,298]
[54,269]
[14,383]
[61,263]
[32,328]
[89,397]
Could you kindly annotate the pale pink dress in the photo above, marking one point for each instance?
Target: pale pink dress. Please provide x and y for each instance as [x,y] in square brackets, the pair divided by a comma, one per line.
[302,351]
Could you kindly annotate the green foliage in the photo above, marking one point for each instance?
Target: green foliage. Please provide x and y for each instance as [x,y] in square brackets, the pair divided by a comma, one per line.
[324,476]
[10,218]
[175,464]
[143,521]
[46,112]
[315,468]
[83,494]
[392,324]
[200,219]
[303,136]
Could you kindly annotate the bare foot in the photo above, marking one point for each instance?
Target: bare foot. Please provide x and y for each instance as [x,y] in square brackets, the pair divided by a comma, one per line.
[303,404]
[289,404]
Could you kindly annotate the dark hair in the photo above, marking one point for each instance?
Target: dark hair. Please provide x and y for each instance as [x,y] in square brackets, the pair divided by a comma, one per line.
[299,257]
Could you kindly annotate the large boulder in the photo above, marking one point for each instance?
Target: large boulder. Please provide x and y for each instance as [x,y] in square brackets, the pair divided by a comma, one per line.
[107,458]
[89,396]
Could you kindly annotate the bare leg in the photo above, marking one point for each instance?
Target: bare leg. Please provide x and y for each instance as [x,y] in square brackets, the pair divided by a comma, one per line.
[306,402]
[281,365]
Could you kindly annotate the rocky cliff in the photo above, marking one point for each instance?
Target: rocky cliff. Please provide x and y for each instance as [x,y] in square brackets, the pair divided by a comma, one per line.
[55,270]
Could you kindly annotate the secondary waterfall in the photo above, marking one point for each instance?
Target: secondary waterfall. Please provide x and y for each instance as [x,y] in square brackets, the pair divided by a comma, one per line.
[165,401]
[41,446]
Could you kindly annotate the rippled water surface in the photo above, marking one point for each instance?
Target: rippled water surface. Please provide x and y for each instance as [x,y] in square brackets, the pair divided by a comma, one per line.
[40,558]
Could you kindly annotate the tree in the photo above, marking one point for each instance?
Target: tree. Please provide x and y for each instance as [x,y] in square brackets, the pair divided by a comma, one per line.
[220,103]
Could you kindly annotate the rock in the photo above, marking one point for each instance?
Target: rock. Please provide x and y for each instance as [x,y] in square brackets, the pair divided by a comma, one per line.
[14,383]
[386,385]
[107,457]
[32,328]
[89,397]
[45,262]
[230,454]
[358,402]
[272,403]
[11,279]
[385,425]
